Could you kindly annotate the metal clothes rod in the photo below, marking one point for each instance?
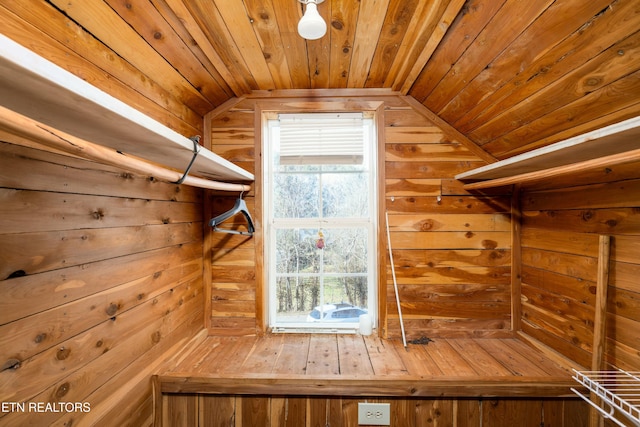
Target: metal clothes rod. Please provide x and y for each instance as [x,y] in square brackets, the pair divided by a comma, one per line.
[25,127]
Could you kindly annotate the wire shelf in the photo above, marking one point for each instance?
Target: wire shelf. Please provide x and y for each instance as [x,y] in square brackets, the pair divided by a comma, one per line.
[618,389]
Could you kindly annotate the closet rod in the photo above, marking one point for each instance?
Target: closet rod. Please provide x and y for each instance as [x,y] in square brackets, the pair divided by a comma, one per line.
[25,127]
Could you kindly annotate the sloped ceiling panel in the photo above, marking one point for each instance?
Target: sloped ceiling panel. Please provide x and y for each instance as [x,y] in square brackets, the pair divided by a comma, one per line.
[511,75]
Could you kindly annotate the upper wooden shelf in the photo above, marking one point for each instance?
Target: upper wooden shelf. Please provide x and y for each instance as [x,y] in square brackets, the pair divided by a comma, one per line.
[613,144]
[38,89]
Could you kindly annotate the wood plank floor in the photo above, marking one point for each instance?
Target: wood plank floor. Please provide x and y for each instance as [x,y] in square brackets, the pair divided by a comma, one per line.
[324,364]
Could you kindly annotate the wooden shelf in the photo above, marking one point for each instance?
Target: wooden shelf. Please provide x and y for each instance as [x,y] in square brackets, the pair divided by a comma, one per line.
[38,89]
[615,144]
[356,365]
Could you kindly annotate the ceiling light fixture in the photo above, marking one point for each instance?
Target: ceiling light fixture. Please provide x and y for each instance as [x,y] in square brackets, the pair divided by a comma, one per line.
[311,26]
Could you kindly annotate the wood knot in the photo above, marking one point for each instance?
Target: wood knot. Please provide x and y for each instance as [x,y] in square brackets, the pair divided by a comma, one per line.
[17,273]
[63,353]
[11,364]
[587,215]
[426,225]
[62,390]
[155,337]
[489,244]
[98,214]
[112,309]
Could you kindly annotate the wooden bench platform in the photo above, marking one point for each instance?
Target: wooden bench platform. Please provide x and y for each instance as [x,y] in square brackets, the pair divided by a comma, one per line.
[353,365]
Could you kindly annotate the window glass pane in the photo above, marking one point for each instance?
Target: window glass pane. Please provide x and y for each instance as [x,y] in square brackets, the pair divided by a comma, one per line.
[345,250]
[299,299]
[296,296]
[296,251]
[345,195]
[296,196]
[350,291]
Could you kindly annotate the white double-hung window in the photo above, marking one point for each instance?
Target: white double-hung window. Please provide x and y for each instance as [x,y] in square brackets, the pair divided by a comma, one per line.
[320,211]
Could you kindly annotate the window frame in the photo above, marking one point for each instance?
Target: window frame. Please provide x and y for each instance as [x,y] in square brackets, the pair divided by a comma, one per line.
[373,224]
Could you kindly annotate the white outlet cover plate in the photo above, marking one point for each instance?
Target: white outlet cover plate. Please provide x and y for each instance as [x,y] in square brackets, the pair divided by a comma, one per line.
[374,414]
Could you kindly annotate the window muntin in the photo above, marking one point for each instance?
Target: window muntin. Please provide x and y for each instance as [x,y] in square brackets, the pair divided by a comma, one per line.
[313,285]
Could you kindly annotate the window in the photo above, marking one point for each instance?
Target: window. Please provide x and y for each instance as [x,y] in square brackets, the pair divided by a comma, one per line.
[320,210]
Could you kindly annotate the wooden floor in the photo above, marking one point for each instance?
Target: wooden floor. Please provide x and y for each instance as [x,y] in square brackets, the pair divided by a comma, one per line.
[322,364]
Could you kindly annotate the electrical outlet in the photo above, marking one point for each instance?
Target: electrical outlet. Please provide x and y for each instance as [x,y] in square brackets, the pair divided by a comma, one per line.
[374,414]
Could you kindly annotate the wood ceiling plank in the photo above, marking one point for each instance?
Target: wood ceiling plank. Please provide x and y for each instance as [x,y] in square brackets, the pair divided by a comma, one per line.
[184,22]
[393,31]
[506,25]
[96,17]
[605,101]
[594,36]
[473,17]
[370,20]
[159,34]
[342,29]
[407,80]
[613,64]
[219,37]
[319,52]
[264,20]
[288,13]
[601,31]
[244,37]
[421,26]
[558,22]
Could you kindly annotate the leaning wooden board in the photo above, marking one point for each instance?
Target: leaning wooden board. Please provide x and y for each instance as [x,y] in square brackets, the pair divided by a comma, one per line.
[41,90]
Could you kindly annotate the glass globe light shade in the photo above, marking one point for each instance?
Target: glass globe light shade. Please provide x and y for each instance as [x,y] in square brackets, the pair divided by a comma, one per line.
[312,26]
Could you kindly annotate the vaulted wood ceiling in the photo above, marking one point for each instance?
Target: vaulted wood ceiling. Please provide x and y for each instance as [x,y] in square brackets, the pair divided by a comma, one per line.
[511,75]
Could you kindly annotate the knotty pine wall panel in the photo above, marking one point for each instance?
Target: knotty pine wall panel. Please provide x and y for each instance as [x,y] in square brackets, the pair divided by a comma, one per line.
[560,232]
[100,281]
[194,410]
[233,298]
[452,247]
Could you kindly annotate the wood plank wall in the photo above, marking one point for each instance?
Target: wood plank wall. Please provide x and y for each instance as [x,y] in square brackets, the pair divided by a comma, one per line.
[236,411]
[100,270]
[451,248]
[561,224]
[100,281]
[232,300]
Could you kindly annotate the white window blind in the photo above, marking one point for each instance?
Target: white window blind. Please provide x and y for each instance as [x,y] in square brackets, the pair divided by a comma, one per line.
[321,138]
